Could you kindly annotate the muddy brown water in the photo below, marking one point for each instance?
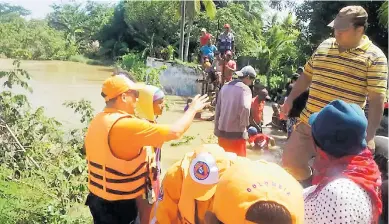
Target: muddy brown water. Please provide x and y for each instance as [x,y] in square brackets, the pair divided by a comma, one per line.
[55,82]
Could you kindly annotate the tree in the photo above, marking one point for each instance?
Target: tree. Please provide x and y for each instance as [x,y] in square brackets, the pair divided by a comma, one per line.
[247,27]
[151,25]
[80,22]
[192,8]
[277,50]
[383,14]
[314,16]
[8,12]
[32,39]
[182,30]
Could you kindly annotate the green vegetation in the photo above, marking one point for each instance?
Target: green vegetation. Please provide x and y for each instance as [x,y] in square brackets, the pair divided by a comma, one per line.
[42,172]
[102,33]
[186,139]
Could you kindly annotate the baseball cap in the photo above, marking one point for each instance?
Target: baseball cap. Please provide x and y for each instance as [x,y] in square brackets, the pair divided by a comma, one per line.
[203,30]
[229,53]
[246,71]
[118,84]
[347,16]
[226,25]
[247,182]
[207,164]
[339,128]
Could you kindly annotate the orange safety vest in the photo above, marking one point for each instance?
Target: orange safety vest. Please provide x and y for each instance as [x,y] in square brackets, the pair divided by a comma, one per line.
[109,177]
[187,206]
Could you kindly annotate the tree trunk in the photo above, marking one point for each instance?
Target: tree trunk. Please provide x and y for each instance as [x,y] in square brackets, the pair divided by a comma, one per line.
[190,23]
[268,79]
[182,31]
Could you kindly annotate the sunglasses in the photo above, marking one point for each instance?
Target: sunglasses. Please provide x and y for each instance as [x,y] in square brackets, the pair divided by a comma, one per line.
[133,92]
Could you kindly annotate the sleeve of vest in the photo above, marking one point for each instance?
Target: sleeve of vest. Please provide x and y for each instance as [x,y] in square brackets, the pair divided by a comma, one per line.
[167,207]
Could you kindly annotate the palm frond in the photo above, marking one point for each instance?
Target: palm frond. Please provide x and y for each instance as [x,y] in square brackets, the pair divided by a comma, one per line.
[383,14]
[210,8]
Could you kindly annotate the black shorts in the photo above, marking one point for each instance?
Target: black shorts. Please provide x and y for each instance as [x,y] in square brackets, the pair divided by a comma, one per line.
[112,212]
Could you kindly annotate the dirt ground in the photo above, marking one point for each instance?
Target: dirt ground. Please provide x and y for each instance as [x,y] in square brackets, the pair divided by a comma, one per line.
[201,132]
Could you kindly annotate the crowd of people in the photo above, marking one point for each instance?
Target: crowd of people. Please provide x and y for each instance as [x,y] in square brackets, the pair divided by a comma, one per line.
[218,60]
[216,183]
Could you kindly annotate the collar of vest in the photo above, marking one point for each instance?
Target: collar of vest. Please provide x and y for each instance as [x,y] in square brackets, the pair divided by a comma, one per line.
[114,110]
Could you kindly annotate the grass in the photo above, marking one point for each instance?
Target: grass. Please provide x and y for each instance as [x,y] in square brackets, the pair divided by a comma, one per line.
[188,64]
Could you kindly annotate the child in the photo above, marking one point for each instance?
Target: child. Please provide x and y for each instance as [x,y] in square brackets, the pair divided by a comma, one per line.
[207,66]
[208,50]
[260,141]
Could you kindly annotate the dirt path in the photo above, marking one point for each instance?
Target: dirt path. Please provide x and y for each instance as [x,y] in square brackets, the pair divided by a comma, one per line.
[202,132]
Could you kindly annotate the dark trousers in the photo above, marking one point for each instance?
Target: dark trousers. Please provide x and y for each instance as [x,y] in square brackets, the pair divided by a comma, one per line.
[112,212]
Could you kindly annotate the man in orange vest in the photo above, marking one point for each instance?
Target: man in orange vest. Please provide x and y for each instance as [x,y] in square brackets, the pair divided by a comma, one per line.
[189,184]
[119,172]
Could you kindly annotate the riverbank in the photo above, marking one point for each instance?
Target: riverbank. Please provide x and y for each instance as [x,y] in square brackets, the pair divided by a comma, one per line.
[90,61]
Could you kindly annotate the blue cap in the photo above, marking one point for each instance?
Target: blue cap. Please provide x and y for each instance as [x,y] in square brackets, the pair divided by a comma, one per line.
[252,131]
[339,128]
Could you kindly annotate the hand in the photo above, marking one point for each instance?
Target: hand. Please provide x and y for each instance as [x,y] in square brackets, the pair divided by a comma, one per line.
[287,106]
[199,102]
[371,145]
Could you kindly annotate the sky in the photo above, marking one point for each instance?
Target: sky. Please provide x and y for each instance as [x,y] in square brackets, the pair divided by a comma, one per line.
[40,8]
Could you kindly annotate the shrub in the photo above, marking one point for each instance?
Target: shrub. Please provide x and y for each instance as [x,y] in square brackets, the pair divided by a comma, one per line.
[42,173]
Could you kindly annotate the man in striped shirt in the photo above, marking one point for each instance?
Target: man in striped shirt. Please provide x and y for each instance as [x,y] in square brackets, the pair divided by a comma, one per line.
[348,67]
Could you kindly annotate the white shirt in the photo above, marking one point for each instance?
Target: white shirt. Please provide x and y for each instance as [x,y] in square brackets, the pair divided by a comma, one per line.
[340,201]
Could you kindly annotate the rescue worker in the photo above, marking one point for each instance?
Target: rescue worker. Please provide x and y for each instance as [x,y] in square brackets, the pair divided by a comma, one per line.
[189,184]
[257,192]
[119,172]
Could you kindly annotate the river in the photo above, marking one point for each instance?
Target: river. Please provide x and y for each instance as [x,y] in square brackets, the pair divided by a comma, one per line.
[54,82]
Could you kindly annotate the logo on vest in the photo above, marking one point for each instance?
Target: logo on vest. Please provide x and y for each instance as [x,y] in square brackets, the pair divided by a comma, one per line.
[201,170]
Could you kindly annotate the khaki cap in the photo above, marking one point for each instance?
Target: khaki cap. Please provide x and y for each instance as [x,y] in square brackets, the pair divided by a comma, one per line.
[347,16]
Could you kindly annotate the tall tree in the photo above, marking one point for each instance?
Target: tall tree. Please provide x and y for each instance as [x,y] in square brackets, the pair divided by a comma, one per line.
[80,22]
[182,30]
[8,11]
[277,50]
[192,8]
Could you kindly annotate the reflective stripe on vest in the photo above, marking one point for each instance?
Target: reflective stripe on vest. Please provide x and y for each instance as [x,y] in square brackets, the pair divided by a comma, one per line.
[109,177]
